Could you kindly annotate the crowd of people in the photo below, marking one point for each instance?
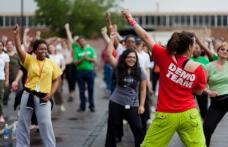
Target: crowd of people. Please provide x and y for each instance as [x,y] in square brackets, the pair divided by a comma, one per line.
[192,85]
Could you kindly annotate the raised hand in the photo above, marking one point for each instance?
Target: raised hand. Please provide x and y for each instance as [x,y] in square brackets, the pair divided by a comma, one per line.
[104,30]
[16,29]
[67,26]
[127,14]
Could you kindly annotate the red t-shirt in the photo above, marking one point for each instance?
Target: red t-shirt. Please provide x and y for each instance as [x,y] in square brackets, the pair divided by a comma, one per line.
[176,85]
[104,55]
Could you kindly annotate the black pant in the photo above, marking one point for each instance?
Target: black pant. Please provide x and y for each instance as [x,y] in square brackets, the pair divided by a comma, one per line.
[216,111]
[116,114]
[71,76]
[146,115]
[203,104]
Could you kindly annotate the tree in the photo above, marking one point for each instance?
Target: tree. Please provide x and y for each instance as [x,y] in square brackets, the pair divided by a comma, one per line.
[86,17]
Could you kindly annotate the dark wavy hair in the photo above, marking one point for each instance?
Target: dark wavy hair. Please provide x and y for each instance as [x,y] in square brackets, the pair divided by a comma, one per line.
[36,44]
[122,67]
[179,42]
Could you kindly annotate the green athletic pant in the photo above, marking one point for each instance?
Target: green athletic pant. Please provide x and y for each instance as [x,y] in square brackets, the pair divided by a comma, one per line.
[187,124]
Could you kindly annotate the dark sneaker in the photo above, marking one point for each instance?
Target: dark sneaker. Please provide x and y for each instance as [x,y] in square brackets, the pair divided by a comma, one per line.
[92,110]
[5,103]
[118,139]
[70,99]
[80,110]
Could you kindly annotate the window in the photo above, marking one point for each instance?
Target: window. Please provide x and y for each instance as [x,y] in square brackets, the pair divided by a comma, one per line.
[219,20]
[13,21]
[224,18]
[158,20]
[163,20]
[195,21]
[7,21]
[201,23]
[188,21]
[206,21]
[212,21]
[140,20]
[152,20]
[183,20]
[1,20]
[171,20]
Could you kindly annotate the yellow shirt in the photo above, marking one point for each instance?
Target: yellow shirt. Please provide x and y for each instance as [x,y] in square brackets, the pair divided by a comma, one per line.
[40,73]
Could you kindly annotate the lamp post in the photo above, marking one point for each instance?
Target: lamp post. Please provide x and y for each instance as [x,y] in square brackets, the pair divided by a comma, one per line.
[22,20]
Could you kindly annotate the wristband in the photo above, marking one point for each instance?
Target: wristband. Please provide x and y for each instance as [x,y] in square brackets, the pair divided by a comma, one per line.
[132,22]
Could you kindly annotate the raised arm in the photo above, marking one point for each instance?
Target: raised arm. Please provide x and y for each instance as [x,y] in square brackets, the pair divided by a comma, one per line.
[204,47]
[104,33]
[17,39]
[25,38]
[138,29]
[68,32]
[110,51]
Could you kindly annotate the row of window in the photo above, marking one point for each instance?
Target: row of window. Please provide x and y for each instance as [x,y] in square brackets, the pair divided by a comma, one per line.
[183,21]
[9,21]
[145,21]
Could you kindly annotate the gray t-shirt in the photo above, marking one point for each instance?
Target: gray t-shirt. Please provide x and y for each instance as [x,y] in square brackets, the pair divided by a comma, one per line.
[127,95]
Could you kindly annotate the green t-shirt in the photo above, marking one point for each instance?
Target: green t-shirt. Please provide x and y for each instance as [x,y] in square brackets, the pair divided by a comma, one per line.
[202,60]
[78,53]
[217,79]
[214,57]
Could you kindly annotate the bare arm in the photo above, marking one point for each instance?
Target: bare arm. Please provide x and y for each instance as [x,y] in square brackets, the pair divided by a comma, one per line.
[25,37]
[63,65]
[148,83]
[20,51]
[68,32]
[55,84]
[7,74]
[16,81]
[110,51]
[105,35]
[19,76]
[142,96]
[138,29]
[204,47]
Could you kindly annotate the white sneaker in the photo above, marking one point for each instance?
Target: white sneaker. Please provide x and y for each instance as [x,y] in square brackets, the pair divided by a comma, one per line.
[153,109]
[2,120]
[124,122]
[62,108]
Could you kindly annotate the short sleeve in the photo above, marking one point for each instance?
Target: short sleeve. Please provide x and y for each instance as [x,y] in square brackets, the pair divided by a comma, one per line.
[75,48]
[143,75]
[159,53]
[56,71]
[7,59]
[94,55]
[201,78]
[27,62]
[147,62]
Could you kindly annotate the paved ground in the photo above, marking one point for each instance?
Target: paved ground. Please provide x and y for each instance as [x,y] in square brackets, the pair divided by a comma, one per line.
[87,129]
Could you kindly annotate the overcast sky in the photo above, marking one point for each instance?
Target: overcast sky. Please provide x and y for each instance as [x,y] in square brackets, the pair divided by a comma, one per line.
[137,5]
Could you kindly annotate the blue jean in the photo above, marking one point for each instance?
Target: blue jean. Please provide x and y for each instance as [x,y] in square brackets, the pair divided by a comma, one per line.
[86,77]
[107,68]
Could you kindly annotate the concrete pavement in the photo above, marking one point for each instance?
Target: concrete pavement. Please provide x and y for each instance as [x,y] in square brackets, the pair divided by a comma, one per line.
[88,129]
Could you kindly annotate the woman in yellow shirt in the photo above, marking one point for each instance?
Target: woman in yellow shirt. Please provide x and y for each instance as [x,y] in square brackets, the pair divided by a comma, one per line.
[42,81]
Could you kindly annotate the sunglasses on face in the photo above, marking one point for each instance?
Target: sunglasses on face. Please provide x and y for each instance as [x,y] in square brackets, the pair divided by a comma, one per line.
[223,49]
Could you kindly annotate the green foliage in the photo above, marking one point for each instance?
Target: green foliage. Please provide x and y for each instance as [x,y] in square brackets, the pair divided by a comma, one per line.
[86,17]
